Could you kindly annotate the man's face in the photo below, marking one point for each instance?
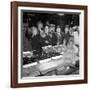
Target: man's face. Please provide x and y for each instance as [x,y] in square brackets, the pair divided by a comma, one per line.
[52,28]
[40,25]
[34,30]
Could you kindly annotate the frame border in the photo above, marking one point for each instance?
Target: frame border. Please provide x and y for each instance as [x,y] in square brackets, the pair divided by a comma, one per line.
[14,44]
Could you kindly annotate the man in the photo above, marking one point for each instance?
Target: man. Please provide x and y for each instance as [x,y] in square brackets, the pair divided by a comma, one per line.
[52,34]
[35,40]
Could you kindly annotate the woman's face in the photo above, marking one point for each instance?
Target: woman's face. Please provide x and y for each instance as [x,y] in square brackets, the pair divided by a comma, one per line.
[46,29]
[66,29]
[34,31]
[58,30]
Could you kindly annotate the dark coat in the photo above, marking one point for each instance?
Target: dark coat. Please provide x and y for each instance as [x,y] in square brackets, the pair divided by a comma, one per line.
[48,40]
[45,41]
[53,39]
[60,38]
[35,42]
[67,37]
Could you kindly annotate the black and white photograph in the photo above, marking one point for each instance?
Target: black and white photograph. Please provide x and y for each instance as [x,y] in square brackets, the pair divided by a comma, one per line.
[50,43]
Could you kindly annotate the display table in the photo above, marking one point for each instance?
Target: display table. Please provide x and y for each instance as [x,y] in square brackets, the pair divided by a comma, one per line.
[56,63]
[46,66]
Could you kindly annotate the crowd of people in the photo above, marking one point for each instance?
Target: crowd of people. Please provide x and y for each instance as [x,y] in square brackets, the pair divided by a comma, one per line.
[50,34]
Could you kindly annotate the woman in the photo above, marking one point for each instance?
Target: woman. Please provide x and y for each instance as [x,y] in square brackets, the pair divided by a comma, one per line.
[59,35]
[45,38]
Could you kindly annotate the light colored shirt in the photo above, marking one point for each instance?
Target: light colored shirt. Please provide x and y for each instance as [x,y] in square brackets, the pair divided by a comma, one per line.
[76,38]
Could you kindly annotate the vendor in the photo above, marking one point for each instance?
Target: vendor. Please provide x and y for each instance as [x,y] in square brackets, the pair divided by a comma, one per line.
[45,38]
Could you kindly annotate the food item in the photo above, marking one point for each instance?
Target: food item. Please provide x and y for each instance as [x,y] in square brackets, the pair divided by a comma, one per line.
[51,49]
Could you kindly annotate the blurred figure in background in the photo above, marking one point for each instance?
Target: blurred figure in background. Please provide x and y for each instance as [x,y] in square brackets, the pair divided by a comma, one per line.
[26,39]
[28,33]
[76,38]
[76,35]
[66,35]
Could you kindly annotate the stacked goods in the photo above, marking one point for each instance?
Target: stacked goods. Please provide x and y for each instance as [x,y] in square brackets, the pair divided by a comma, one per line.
[47,49]
[57,48]
[52,49]
[47,52]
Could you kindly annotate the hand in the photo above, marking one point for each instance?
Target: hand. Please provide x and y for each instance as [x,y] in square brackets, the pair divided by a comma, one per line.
[46,41]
